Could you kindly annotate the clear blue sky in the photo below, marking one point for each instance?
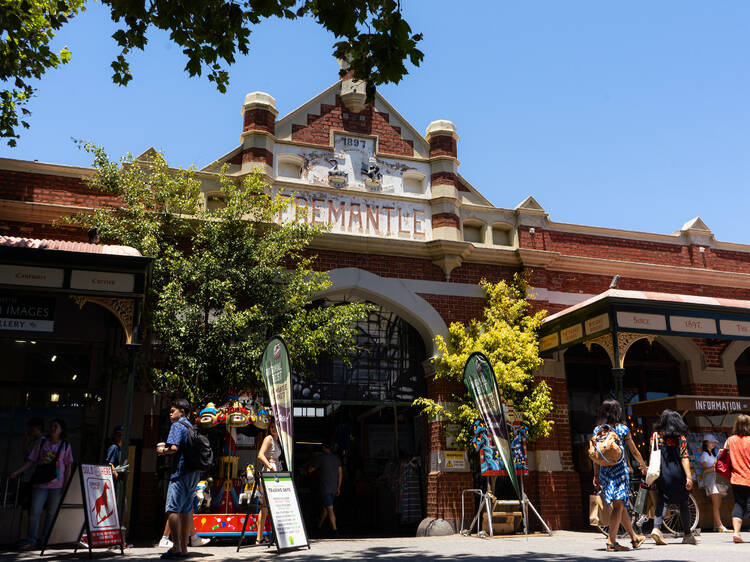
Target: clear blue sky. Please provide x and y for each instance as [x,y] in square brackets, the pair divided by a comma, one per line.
[630,115]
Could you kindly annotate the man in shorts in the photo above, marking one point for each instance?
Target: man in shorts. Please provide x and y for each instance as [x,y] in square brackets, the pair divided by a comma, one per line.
[182,481]
[330,475]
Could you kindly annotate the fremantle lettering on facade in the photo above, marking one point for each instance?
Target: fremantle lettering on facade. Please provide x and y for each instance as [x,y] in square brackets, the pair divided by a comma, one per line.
[360,216]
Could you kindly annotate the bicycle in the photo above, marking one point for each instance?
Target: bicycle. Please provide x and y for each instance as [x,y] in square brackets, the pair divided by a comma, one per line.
[672,522]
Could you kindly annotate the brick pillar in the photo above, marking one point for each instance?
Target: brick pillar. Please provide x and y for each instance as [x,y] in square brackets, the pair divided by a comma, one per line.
[553,484]
[258,132]
[443,488]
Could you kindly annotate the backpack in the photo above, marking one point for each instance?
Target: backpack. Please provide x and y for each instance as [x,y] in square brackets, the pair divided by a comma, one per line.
[605,448]
[197,453]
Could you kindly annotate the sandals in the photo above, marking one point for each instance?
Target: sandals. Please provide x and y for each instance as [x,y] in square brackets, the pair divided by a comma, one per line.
[617,547]
[639,540]
[737,540]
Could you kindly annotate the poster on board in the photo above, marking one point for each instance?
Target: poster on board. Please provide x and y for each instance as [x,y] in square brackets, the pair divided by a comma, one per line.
[89,504]
[288,526]
[101,506]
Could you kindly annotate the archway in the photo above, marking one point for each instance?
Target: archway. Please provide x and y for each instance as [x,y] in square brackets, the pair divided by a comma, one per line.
[651,371]
[363,405]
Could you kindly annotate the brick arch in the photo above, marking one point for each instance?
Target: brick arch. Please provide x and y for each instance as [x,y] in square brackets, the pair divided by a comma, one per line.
[733,352]
[395,295]
[689,355]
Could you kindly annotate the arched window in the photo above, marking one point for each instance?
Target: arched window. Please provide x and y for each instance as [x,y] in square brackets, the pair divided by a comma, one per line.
[385,366]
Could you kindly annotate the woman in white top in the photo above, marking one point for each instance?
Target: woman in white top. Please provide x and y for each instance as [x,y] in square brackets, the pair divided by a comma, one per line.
[269,455]
[713,490]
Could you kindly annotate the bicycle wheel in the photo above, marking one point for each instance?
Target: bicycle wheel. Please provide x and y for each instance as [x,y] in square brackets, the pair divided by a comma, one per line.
[672,521]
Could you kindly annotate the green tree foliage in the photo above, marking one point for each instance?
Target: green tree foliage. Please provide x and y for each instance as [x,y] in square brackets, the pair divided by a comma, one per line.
[223,281]
[372,34]
[507,335]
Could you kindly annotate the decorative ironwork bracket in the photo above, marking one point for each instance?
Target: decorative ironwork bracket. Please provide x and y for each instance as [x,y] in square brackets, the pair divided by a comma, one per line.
[123,309]
[624,341]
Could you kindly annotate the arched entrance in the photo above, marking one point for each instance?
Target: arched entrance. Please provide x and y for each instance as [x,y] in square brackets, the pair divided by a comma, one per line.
[742,368]
[650,372]
[362,405]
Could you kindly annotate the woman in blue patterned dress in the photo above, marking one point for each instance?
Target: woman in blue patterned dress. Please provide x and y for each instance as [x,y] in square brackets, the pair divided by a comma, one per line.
[615,480]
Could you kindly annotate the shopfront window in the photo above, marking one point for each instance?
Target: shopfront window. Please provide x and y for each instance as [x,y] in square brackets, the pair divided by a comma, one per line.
[742,367]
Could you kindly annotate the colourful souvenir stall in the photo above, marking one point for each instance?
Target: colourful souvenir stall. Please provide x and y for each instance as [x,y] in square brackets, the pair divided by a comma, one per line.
[222,498]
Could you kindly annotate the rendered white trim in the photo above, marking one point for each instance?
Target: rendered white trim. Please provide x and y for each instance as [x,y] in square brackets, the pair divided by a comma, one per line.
[395,295]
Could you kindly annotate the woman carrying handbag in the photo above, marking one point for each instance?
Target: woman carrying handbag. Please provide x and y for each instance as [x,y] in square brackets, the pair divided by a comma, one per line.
[675,479]
[739,453]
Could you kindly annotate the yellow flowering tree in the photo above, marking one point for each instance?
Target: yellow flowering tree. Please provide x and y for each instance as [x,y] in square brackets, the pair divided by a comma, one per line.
[507,335]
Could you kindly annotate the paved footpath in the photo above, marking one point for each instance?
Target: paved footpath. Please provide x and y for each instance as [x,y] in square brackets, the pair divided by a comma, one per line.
[564,545]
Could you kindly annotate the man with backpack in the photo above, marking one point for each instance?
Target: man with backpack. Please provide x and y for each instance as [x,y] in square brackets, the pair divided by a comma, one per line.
[181,444]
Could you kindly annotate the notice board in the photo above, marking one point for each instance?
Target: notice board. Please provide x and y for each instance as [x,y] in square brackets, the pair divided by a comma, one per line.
[283,505]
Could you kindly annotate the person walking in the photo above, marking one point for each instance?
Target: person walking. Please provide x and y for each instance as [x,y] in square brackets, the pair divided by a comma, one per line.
[739,453]
[112,457]
[675,479]
[330,475]
[52,456]
[182,481]
[714,490]
[615,480]
[269,456]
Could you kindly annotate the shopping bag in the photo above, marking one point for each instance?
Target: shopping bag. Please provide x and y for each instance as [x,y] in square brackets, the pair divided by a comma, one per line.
[723,466]
[598,511]
[640,499]
[654,463]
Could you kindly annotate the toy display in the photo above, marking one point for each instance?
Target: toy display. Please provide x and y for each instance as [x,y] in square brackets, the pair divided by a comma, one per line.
[221,502]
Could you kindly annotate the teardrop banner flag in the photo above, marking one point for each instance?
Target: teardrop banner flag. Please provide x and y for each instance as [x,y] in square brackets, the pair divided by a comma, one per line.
[480,379]
[276,371]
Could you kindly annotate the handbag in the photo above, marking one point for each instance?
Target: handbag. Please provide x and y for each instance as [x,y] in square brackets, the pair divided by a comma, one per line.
[654,463]
[46,472]
[640,499]
[723,466]
[605,448]
[598,511]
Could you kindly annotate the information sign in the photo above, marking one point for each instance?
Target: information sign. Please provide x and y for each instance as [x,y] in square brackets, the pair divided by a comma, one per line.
[288,527]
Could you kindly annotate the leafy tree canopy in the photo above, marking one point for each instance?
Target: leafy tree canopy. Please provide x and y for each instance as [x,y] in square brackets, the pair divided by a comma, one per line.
[224,279]
[507,335]
[211,33]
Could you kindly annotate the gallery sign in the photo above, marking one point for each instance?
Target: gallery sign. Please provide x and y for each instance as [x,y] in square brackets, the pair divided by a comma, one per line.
[28,313]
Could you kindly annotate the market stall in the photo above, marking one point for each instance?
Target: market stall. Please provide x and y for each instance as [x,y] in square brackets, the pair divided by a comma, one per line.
[222,497]
[703,414]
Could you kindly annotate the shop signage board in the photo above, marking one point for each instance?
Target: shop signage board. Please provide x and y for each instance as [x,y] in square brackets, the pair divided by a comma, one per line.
[692,324]
[105,281]
[88,504]
[735,328]
[685,403]
[31,276]
[276,370]
[28,313]
[479,379]
[283,506]
[641,321]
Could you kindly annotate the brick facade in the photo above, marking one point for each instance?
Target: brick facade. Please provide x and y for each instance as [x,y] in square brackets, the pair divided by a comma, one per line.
[539,246]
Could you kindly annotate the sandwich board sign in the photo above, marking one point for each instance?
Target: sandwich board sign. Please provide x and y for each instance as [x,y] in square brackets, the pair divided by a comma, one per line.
[88,504]
[283,506]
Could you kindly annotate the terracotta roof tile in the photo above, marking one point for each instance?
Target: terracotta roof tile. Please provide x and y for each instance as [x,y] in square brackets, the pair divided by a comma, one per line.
[67,246]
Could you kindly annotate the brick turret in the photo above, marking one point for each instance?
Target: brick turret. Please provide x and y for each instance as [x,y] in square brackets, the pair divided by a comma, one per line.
[258,130]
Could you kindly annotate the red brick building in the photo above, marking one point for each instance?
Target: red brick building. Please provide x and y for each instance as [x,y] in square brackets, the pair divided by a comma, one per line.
[412,235]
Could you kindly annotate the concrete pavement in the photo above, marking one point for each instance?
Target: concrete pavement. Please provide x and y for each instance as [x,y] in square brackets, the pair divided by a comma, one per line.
[563,545]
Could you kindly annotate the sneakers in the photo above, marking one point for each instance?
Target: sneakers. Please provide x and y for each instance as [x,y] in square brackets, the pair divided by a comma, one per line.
[165,543]
[195,540]
[690,539]
[658,537]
